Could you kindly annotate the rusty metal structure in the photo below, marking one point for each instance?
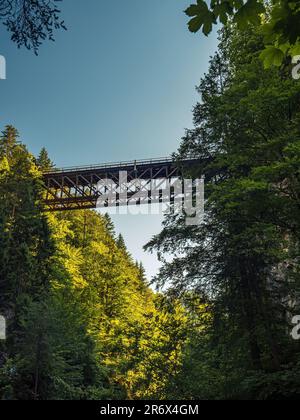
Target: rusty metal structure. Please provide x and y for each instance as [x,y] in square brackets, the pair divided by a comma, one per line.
[77,188]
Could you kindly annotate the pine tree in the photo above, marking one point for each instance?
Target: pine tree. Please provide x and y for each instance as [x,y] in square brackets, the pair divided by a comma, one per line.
[109,225]
[9,141]
[121,242]
[25,254]
[144,283]
[245,253]
[43,160]
[82,322]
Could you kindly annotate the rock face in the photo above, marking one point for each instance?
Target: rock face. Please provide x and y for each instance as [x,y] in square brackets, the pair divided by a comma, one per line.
[2,328]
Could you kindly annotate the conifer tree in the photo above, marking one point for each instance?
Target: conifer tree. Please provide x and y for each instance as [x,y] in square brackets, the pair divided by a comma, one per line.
[245,254]
[43,160]
[25,254]
[82,322]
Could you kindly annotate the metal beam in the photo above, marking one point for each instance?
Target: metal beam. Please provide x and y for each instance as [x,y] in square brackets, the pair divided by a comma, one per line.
[75,188]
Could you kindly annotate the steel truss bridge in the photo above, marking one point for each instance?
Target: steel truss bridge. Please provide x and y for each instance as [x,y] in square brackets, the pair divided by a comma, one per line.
[77,188]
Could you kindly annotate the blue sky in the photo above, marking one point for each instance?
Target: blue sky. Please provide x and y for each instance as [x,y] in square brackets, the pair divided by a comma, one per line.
[118,85]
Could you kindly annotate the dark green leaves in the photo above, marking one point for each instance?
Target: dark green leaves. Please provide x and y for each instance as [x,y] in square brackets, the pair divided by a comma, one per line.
[202,17]
[249,13]
[243,12]
[280,26]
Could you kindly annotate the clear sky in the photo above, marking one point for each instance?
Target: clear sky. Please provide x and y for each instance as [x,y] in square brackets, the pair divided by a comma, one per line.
[118,85]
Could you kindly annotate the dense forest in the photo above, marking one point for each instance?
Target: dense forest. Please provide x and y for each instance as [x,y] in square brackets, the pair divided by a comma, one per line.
[245,256]
[82,322]
[82,319]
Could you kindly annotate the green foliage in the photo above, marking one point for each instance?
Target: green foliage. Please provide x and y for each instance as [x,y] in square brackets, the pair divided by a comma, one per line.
[82,320]
[202,17]
[278,22]
[43,161]
[245,255]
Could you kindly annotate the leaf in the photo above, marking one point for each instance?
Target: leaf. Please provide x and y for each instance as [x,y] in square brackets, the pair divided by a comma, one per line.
[193,10]
[195,24]
[223,11]
[249,13]
[295,50]
[272,56]
[207,28]
[199,9]
[284,47]
[203,17]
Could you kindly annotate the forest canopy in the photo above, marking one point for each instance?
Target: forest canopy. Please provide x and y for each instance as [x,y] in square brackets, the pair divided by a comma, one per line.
[82,321]
[245,256]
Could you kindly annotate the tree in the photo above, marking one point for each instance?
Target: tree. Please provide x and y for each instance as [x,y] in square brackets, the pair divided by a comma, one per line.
[25,255]
[43,160]
[109,225]
[157,349]
[49,353]
[277,20]
[121,242]
[137,337]
[82,321]
[31,21]
[245,254]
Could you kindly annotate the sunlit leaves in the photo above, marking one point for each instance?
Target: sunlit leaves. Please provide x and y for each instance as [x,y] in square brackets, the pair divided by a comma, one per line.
[272,56]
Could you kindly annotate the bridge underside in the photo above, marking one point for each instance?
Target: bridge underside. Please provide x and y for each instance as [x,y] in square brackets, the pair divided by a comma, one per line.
[78,188]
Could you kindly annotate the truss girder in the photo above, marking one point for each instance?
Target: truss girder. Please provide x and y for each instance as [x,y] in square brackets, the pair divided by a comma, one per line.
[78,188]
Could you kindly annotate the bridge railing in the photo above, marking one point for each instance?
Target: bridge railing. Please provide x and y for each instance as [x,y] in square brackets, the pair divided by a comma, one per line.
[111,165]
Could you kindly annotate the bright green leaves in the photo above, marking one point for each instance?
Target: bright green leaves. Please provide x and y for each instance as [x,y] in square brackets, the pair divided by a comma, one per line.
[281,33]
[202,17]
[275,55]
[4,165]
[83,322]
[272,56]
[295,50]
